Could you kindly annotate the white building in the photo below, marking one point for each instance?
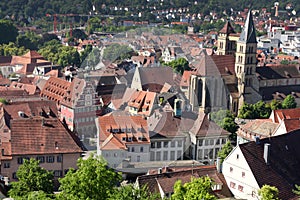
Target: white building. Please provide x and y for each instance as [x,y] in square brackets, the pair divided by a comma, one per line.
[122,136]
[207,138]
[265,162]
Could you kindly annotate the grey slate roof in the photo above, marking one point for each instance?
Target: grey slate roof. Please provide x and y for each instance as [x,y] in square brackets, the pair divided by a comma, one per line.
[248,34]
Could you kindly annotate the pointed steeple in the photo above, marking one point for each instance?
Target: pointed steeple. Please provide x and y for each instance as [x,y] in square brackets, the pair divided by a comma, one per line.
[248,34]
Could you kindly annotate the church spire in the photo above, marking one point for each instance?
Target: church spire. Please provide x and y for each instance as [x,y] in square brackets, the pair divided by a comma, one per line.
[248,34]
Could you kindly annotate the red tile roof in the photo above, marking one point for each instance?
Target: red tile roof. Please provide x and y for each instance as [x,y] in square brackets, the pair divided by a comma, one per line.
[227,29]
[114,127]
[261,128]
[204,127]
[166,181]
[55,89]
[185,79]
[142,100]
[281,114]
[29,88]
[31,109]
[41,136]
[170,126]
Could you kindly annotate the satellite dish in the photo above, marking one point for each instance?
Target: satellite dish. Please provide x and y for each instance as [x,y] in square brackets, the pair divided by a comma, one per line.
[276,4]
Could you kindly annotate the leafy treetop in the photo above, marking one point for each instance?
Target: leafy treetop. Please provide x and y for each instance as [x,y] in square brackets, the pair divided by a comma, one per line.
[31,178]
[92,180]
[268,192]
[198,188]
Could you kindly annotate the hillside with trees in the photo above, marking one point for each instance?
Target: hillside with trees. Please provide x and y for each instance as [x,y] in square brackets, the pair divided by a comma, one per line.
[26,11]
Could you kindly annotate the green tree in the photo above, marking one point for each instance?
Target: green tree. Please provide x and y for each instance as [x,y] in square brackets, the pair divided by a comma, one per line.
[40,195]
[92,180]
[226,120]
[117,52]
[4,101]
[261,109]
[297,190]
[247,111]
[129,192]
[179,65]
[225,151]
[79,34]
[29,40]
[284,62]
[31,177]
[60,54]
[289,102]
[268,192]
[275,104]
[11,49]
[8,32]
[198,188]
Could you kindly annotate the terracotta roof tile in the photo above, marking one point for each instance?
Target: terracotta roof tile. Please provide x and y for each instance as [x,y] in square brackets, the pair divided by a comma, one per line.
[29,88]
[41,136]
[114,127]
[55,89]
[205,127]
[166,180]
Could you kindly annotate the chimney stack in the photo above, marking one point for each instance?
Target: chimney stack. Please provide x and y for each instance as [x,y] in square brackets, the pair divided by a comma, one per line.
[219,165]
[267,149]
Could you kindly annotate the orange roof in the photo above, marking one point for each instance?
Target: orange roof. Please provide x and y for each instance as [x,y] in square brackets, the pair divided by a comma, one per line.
[31,89]
[116,131]
[55,89]
[282,114]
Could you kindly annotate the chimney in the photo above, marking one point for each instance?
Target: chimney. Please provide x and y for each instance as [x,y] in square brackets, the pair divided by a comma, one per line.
[219,165]
[6,180]
[159,171]
[267,149]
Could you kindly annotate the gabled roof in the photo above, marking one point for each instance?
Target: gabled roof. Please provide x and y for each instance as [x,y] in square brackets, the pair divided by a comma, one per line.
[281,114]
[41,136]
[248,34]
[205,65]
[277,72]
[73,92]
[55,89]
[115,129]
[166,180]
[154,78]
[142,100]
[204,127]
[283,170]
[33,54]
[261,128]
[30,88]
[214,65]
[227,29]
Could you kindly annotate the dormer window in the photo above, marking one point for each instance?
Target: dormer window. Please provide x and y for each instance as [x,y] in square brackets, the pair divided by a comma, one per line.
[115,130]
[129,139]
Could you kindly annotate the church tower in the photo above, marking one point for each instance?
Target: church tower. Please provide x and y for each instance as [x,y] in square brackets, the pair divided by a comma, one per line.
[245,64]
[226,40]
